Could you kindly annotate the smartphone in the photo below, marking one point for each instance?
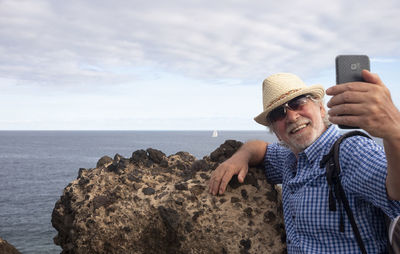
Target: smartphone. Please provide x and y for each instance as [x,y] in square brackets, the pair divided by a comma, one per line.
[348,69]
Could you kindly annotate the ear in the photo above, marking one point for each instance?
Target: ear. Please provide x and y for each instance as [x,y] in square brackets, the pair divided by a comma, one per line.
[322,109]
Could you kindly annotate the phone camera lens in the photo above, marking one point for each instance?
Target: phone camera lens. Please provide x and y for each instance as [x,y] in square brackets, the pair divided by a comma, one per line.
[354,66]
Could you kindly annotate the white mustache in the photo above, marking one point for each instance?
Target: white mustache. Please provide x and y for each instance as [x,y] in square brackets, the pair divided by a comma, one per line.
[300,122]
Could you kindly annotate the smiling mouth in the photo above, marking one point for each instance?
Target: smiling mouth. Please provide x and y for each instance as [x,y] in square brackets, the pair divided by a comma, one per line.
[298,128]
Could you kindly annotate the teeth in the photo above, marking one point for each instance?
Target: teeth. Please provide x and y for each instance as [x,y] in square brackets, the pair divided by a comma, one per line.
[298,128]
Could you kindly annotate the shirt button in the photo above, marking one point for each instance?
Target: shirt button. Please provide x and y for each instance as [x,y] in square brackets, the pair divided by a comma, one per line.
[289,242]
[293,217]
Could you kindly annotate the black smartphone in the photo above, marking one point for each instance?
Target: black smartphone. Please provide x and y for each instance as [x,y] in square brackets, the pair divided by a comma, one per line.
[348,69]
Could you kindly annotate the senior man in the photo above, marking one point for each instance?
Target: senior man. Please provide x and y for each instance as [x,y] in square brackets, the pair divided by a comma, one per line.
[370,175]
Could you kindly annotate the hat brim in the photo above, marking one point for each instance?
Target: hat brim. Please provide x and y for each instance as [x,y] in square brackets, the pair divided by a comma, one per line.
[316,90]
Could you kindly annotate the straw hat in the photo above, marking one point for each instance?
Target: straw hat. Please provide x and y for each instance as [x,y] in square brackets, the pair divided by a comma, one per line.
[282,87]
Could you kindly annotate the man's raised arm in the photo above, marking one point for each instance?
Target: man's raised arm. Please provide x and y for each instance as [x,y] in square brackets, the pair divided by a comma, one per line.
[369,105]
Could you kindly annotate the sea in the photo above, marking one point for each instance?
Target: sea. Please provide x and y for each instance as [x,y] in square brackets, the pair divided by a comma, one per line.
[35,167]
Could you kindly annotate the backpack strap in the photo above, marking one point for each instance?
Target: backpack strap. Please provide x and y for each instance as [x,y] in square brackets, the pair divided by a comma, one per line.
[331,162]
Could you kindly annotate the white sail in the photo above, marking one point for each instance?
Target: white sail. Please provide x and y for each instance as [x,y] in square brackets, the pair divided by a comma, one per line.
[215,134]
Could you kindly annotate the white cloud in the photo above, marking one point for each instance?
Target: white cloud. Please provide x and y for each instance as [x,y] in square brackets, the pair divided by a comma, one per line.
[51,41]
[95,49]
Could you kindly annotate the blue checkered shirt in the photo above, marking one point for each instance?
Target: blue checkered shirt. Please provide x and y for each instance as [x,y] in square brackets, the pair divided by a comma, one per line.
[310,226]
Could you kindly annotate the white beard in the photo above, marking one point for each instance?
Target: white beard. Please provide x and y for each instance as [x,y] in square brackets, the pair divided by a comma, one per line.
[302,140]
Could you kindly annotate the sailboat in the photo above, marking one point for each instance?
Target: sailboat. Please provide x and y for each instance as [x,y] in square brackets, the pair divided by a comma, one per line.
[214,134]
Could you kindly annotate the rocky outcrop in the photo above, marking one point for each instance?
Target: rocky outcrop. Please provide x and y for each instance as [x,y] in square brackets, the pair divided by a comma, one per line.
[151,203]
[6,248]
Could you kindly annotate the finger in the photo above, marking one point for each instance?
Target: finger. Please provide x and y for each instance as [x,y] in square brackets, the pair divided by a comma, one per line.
[242,174]
[347,109]
[352,86]
[210,184]
[347,97]
[348,120]
[225,180]
[215,181]
[371,77]
[215,186]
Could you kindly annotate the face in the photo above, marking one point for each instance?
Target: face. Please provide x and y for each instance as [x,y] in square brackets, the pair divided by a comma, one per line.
[301,127]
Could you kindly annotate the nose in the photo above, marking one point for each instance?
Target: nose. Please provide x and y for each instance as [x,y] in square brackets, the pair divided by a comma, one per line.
[291,115]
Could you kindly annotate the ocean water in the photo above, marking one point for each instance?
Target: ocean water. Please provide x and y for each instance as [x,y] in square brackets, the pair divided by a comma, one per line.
[35,167]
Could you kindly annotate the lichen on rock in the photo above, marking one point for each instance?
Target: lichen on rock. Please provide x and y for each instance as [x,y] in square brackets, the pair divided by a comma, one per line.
[153,203]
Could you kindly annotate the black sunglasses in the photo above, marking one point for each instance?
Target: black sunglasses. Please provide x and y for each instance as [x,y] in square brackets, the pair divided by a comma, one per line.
[280,112]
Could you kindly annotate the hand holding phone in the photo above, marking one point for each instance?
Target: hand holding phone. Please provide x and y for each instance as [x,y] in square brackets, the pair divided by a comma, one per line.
[368,105]
[348,69]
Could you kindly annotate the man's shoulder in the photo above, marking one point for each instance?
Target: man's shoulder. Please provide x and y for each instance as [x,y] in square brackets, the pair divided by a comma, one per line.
[360,150]
[278,152]
[278,148]
[358,142]
[353,148]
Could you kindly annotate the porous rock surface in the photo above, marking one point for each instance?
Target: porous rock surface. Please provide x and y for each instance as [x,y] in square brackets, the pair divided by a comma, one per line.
[151,203]
[6,248]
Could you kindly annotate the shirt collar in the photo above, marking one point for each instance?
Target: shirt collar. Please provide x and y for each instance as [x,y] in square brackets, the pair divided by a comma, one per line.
[322,145]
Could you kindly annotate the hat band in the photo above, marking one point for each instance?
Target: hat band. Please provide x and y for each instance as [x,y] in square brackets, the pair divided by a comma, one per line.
[283,96]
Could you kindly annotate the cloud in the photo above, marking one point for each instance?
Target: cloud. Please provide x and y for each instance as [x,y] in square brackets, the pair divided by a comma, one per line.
[110,42]
[175,64]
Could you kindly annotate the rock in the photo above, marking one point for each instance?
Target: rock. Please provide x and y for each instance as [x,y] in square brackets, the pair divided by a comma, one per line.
[155,155]
[151,203]
[139,155]
[104,161]
[6,248]
[225,151]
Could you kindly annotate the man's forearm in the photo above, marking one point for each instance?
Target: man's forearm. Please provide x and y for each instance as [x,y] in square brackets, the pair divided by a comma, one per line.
[252,151]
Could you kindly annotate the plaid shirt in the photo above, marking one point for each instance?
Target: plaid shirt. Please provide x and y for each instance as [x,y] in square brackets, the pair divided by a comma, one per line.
[310,226]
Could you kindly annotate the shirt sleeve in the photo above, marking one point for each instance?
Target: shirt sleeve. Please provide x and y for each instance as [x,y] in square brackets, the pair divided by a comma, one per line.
[364,171]
[274,162]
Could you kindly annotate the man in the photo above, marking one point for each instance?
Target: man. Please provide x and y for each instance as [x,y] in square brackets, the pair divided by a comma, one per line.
[296,114]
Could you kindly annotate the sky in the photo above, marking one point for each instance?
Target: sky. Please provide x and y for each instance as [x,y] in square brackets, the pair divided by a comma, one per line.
[176,65]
